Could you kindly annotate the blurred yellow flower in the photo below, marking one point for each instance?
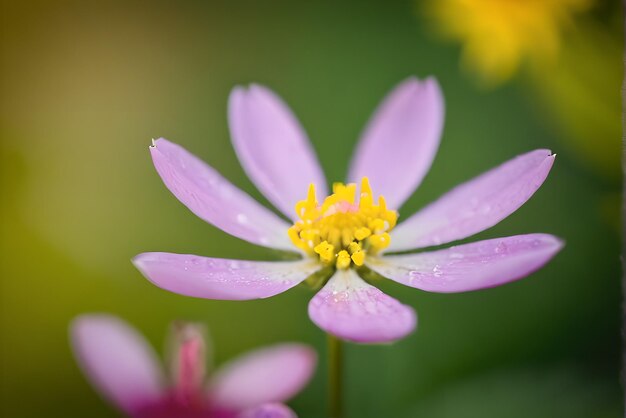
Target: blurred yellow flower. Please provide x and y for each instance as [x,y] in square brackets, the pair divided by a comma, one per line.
[579,94]
[499,35]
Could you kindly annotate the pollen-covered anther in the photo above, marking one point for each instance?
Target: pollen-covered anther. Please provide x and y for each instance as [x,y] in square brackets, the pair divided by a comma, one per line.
[341,231]
[380,241]
[362,233]
[358,258]
[326,251]
[343,259]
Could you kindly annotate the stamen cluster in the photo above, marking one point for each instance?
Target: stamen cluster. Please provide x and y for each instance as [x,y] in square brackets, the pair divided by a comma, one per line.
[340,231]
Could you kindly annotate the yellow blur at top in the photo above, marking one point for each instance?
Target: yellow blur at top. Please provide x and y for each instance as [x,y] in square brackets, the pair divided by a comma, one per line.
[341,231]
[499,35]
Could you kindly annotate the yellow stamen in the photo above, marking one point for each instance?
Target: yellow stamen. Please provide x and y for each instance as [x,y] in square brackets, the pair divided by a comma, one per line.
[342,231]
[343,260]
[295,238]
[358,258]
[366,193]
[325,251]
[380,241]
[345,192]
[377,225]
[354,247]
[362,233]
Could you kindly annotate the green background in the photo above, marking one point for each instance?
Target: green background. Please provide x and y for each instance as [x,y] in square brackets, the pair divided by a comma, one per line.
[86,85]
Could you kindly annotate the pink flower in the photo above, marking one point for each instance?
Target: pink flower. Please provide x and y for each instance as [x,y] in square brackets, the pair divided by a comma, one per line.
[124,368]
[344,234]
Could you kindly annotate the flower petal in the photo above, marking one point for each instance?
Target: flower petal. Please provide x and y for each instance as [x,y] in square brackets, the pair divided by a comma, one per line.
[475,205]
[269,410]
[474,266]
[272,374]
[223,279]
[117,361]
[351,309]
[211,197]
[401,140]
[187,354]
[273,148]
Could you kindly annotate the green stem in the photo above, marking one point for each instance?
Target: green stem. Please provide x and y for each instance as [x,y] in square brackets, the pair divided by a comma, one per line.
[335,377]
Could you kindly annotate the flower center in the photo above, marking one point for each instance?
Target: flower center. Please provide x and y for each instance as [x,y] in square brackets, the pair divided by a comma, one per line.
[341,231]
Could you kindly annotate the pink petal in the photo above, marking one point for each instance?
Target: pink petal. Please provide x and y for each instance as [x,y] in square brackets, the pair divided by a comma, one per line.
[475,205]
[224,279]
[401,140]
[117,361]
[472,266]
[272,374]
[187,354]
[351,309]
[269,410]
[273,148]
[211,197]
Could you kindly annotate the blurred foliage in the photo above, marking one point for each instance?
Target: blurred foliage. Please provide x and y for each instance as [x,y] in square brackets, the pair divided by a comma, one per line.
[531,392]
[87,84]
[579,91]
[572,51]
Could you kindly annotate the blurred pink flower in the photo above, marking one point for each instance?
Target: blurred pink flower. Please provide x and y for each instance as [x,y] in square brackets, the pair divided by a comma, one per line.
[124,368]
[342,234]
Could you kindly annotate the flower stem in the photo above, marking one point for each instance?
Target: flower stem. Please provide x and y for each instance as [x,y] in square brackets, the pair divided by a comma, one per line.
[335,377]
